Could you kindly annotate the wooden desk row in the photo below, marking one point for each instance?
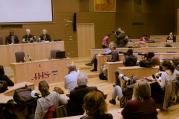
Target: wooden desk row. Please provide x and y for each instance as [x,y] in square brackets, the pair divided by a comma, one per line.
[143,50]
[36,51]
[52,71]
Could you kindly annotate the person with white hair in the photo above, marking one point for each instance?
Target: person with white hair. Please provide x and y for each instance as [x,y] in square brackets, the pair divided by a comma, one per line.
[70,80]
[28,37]
[44,36]
[77,94]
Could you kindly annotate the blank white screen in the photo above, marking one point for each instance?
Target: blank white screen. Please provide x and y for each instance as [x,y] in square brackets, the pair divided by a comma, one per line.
[25,11]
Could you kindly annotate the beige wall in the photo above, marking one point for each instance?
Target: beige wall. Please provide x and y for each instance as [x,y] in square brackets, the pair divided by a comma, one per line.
[64,9]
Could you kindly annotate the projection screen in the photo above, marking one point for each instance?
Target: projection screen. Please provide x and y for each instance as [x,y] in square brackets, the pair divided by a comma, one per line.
[20,11]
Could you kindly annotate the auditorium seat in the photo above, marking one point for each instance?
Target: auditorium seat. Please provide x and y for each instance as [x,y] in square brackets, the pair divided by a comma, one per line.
[20,56]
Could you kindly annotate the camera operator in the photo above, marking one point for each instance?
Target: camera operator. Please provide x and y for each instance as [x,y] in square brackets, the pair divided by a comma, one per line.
[121,38]
[149,60]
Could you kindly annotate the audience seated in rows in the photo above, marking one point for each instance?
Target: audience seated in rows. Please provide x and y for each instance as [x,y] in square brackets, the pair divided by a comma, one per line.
[48,102]
[142,106]
[77,95]
[95,106]
[70,80]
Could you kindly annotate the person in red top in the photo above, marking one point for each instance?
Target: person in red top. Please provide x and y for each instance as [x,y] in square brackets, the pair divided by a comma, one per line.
[142,106]
[105,41]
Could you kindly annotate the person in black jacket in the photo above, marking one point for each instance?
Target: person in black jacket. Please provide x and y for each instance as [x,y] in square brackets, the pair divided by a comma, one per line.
[12,38]
[129,58]
[3,77]
[77,95]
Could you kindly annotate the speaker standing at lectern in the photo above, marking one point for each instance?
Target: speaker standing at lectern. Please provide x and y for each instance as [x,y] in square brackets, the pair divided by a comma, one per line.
[12,38]
[44,36]
[28,38]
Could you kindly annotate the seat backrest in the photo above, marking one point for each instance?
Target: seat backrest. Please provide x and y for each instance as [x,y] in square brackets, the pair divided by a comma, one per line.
[19,56]
[1,41]
[61,111]
[53,54]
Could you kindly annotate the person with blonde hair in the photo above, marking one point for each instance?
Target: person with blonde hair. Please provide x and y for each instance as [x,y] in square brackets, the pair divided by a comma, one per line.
[95,106]
[142,105]
[48,101]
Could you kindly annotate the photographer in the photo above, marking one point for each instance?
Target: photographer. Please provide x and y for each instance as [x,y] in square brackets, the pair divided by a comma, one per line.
[149,60]
[121,38]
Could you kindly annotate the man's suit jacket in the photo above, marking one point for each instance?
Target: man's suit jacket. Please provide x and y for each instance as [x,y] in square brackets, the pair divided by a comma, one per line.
[9,40]
[28,38]
[45,37]
[76,99]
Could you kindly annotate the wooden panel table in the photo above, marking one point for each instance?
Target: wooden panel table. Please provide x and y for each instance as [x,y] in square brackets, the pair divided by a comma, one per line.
[36,51]
[111,68]
[138,71]
[52,71]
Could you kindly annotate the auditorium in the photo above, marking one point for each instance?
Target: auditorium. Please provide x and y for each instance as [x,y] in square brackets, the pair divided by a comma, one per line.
[89,59]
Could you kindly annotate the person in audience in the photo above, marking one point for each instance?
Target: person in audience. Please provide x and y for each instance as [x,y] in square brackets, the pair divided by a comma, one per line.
[117,89]
[165,81]
[94,62]
[129,58]
[105,41]
[4,77]
[114,54]
[77,94]
[149,60]
[44,36]
[48,102]
[70,80]
[95,106]
[142,106]
[28,37]
[121,38]
[12,38]
[171,37]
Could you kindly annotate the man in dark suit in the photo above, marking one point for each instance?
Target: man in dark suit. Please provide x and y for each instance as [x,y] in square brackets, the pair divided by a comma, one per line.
[28,38]
[44,36]
[76,95]
[12,38]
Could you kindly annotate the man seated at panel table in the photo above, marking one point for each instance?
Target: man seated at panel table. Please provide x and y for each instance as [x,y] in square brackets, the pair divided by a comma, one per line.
[28,37]
[12,38]
[44,36]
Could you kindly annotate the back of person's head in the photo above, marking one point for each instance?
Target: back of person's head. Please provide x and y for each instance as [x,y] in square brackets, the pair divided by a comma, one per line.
[150,55]
[94,103]
[167,65]
[1,70]
[72,67]
[142,90]
[82,79]
[129,52]
[44,88]
[155,61]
